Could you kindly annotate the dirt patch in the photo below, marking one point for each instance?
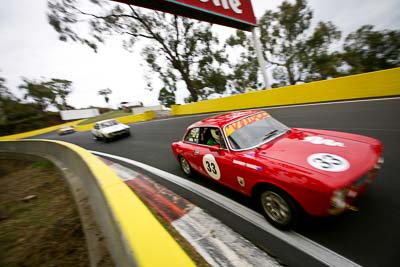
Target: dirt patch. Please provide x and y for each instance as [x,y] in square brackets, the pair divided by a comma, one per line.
[39,223]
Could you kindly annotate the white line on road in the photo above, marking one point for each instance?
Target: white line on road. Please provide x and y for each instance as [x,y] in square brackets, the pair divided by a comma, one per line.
[315,250]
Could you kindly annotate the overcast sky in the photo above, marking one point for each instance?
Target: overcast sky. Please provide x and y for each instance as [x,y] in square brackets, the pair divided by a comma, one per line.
[30,48]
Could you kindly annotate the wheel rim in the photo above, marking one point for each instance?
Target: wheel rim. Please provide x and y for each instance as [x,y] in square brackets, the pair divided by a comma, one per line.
[185,166]
[275,207]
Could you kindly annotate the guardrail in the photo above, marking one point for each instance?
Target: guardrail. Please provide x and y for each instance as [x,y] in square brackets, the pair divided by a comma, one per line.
[133,235]
[367,85]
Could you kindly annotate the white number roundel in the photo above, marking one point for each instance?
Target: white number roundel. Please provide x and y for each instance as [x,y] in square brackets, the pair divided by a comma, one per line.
[211,166]
[328,162]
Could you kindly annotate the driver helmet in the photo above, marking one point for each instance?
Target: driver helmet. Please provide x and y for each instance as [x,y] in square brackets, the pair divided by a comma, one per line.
[216,135]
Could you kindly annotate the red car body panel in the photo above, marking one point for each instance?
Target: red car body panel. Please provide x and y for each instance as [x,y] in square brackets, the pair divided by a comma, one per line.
[285,162]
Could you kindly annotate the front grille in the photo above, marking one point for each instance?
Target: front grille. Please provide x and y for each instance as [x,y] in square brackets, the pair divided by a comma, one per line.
[119,132]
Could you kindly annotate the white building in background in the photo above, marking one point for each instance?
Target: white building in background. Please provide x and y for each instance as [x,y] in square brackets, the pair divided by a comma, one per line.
[75,114]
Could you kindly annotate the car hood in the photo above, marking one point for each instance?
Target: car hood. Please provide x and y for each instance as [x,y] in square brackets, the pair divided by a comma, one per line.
[114,128]
[340,157]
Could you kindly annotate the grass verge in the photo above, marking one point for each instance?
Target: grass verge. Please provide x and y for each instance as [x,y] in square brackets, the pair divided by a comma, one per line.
[39,223]
[105,116]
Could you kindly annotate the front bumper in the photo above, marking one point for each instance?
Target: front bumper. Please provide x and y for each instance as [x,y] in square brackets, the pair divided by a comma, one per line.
[353,191]
[118,133]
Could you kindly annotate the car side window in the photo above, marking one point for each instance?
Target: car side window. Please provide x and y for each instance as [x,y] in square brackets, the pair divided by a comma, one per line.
[192,136]
[211,136]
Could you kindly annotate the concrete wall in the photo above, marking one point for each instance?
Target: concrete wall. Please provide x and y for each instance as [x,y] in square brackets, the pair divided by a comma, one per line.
[140,110]
[75,114]
[133,235]
[367,85]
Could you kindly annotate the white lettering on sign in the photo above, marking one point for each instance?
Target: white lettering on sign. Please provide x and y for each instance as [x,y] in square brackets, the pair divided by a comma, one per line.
[226,4]
[317,140]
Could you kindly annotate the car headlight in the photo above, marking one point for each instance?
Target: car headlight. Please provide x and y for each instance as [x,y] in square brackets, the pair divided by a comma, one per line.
[379,163]
[338,199]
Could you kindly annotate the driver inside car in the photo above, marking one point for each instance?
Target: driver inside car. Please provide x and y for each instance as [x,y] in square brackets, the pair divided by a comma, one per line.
[215,138]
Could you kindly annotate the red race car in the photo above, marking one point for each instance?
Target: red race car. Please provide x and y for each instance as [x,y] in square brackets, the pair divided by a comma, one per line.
[287,170]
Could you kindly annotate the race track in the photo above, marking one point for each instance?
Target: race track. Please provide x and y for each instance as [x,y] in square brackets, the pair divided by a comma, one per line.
[369,237]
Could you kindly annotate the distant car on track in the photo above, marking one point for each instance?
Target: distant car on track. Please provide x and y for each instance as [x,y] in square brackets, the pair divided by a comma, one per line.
[109,129]
[287,170]
[66,130]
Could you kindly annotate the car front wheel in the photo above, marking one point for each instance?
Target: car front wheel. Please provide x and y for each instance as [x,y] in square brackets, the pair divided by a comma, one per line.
[185,166]
[279,208]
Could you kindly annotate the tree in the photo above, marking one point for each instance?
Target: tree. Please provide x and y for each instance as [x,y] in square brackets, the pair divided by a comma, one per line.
[39,92]
[177,49]
[244,72]
[3,89]
[298,53]
[4,95]
[367,50]
[166,97]
[105,93]
[61,88]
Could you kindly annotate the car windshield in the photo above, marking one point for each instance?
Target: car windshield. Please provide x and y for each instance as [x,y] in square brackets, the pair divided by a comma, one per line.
[253,131]
[109,123]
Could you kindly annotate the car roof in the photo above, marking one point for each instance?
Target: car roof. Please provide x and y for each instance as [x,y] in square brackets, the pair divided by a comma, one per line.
[221,120]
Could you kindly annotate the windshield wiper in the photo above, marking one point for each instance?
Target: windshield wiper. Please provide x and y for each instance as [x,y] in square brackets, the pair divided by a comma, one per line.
[270,134]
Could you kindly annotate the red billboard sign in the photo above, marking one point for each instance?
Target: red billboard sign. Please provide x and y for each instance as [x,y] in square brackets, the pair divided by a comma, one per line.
[232,13]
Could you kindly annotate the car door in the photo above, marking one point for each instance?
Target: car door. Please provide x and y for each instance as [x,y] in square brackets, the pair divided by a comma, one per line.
[212,160]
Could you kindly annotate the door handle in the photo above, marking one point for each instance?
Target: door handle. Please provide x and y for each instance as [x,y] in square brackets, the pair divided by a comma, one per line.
[196,153]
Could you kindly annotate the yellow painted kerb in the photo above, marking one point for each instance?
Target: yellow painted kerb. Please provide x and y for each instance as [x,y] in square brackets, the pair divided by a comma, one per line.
[151,244]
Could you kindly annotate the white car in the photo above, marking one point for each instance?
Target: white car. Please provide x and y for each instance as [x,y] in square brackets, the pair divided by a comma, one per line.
[108,129]
[66,130]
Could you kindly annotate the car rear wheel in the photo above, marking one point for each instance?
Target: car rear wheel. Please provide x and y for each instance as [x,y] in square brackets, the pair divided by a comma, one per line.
[185,166]
[278,208]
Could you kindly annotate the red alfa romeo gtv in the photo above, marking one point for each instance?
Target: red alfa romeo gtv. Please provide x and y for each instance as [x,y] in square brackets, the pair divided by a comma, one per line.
[287,170]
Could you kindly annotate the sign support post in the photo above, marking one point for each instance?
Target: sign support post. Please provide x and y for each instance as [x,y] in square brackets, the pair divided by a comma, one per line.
[260,58]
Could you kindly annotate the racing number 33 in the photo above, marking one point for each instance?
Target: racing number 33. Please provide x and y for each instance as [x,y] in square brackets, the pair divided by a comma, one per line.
[211,166]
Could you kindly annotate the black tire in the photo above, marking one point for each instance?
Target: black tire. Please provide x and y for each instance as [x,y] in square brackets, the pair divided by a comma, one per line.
[128,133]
[96,138]
[279,208]
[106,140]
[185,166]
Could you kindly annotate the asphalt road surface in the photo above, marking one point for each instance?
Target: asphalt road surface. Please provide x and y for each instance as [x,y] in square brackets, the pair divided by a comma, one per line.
[369,237]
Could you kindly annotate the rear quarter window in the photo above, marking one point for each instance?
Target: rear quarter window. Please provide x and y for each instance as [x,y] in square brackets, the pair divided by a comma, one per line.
[192,135]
